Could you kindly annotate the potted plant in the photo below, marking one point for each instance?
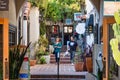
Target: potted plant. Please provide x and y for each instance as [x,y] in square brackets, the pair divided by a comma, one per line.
[42,49]
[79,62]
[16,58]
[99,75]
[42,60]
[88,59]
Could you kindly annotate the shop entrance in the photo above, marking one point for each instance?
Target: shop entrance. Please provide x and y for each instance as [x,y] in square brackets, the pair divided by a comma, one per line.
[107,53]
[68,31]
[4,65]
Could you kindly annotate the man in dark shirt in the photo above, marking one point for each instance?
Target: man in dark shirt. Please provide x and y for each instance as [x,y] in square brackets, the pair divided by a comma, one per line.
[72,46]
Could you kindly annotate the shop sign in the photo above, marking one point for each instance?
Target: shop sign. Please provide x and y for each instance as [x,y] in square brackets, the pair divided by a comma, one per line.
[68,21]
[77,16]
[4,5]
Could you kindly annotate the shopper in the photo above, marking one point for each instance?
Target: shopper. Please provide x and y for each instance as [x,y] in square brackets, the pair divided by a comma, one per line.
[57,47]
[72,46]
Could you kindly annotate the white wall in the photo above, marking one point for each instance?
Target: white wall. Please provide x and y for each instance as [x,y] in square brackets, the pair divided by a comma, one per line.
[34,24]
[12,12]
[89,6]
[34,28]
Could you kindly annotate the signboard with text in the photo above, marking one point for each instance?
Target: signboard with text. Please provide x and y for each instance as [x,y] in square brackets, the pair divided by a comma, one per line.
[77,16]
[4,5]
[68,21]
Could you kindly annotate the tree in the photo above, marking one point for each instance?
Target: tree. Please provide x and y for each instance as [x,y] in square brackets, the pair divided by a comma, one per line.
[59,9]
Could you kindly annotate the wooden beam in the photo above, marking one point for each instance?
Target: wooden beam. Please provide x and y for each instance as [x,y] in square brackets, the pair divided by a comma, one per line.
[4,22]
[106,22]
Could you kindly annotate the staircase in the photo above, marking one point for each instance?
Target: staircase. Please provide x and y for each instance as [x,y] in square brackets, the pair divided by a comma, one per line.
[63,59]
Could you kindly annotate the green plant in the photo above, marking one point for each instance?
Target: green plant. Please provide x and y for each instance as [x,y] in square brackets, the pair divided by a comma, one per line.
[42,60]
[99,75]
[16,57]
[79,57]
[1,70]
[59,10]
[42,47]
[114,42]
[42,28]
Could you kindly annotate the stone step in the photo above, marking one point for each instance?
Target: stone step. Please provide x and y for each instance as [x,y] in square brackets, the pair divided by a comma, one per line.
[54,77]
[63,58]
[61,62]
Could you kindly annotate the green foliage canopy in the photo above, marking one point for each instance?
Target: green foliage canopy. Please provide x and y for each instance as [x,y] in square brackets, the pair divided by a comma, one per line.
[59,9]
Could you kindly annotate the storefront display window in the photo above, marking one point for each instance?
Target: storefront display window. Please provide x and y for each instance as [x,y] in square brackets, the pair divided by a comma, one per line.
[55,29]
[68,29]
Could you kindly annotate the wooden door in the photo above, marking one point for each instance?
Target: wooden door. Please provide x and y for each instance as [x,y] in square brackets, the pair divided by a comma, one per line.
[4,64]
[107,22]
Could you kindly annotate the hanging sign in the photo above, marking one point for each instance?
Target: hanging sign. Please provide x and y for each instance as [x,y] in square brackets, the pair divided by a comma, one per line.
[68,21]
[77,16]
[4,5]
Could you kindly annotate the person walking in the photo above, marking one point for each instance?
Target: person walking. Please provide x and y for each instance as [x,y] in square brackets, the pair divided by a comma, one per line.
[72,46]
[57,47]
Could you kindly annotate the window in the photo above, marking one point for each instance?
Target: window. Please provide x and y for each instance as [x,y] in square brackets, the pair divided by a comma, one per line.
[12,35]
[55,29]
[68,29]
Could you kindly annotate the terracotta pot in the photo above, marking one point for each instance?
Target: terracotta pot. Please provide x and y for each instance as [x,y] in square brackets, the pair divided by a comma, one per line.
[32,62]
[79,66]
[89,64]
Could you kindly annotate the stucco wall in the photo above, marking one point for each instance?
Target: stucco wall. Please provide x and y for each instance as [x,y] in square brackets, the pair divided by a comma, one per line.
[34,29]
[3,14]
[10,14]
[34,24]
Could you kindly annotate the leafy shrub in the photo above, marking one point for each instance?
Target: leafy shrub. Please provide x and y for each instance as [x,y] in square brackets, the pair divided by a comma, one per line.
[42,60]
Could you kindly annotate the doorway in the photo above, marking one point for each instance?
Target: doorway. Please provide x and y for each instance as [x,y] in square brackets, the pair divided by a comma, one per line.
[68,31]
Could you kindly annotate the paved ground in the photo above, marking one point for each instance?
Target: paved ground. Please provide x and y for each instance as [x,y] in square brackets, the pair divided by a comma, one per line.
[66,69]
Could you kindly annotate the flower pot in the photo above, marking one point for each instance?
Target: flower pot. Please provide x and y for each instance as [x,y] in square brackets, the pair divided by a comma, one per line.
[89,65]
[79,66]
[32,62]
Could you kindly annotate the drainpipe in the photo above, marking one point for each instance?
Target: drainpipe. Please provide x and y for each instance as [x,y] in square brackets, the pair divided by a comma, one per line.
[25,33]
